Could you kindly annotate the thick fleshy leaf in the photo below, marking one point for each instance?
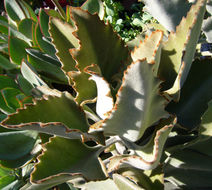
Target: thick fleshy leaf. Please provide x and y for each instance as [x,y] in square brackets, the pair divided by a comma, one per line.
[148,179]
[77,159]
[138,104]
[178,51]
[16,185]
[44,22]
[104,102]
[195,173]
[146,157]
[206,124]
[15,145]
[14,10]
[98,44]
[63,39]
[60,111]
[6,177]
[49,183]
[167,13]
[6,180]
[63,117]
[43,43]
[30,75]
[6,64]
[9,101]
[3,25]
[97,185]
[195,95]
[24,85]
[206,26]
[187,173]
[7,82]
[94,6]
[124,183]
[11,97]
[150,49]
[17,49]
[26,26]
[28,9]
[4,108]
[86,89]
[46,66]
[18,148]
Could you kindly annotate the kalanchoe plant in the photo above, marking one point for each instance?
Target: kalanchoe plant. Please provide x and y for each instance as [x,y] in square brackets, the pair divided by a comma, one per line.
[127,119]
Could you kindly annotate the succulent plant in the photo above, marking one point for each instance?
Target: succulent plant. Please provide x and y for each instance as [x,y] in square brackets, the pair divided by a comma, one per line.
[134,117]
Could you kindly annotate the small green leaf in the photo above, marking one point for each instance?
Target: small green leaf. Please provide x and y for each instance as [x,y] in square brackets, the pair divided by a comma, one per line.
[44,22]
[94,6]
[7,82]
[17,49]
[14,145]
[24,85]
[29,10]
[30,75]
[14,10]
[26,26]
[6,180]
[43,43]
[46,67]
[86,89]
[6,64]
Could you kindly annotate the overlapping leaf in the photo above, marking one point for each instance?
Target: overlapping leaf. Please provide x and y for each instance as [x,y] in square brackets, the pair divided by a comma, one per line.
[207,23]
[139,104]
[184,172]
[146,157]
[69,158]
[94,6]
[167,13]
[150,49]
[195,94]
[63,39]
[104,102]
[178,51]
[17,49]
[47,66]
[63,117]
[98,44]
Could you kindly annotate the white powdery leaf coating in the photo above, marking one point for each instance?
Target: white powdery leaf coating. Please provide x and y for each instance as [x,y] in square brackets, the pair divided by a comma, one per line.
[138,104]
[104,99]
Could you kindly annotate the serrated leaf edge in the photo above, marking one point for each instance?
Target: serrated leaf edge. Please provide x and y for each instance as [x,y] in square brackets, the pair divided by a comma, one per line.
[144,164]
[145,41]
